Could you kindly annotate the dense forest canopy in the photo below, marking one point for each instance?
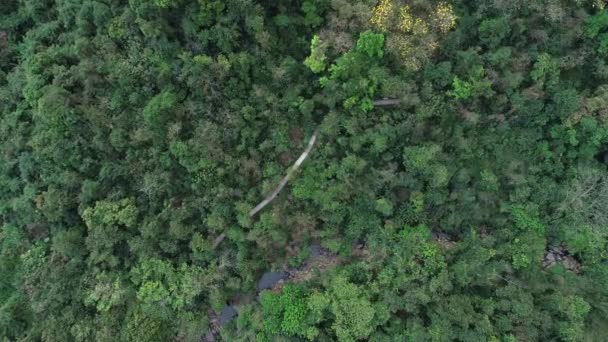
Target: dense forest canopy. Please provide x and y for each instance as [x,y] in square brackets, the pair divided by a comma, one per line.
[137,135]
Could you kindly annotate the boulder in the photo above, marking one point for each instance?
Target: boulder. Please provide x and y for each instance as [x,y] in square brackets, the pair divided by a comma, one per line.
[227,315]
[270,279]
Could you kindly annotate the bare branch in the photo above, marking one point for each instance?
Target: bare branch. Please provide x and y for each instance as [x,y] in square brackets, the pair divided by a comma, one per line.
[285,179]
[387,102]
[218,240]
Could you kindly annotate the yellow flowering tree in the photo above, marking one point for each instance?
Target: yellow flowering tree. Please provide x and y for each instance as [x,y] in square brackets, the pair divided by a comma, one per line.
[413,31]
[381,14]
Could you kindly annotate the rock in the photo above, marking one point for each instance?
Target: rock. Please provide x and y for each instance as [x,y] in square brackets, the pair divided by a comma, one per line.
[315,251]
[208,337]
[572,265]
[227,315]
[561,255]
[270,279]
[444,240]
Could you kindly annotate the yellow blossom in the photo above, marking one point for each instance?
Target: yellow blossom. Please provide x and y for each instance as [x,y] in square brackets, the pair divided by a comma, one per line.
[407,21]
[413,32]
[445,17]
[408,52]
[420,27]
[381,14]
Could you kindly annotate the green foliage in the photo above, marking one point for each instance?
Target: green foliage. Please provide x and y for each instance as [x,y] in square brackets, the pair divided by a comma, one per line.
[462,90]
[371,43]
[157,111]
[384,207]
[596,23]
[574,310]
[273,312]
[477,85]
[354,313]
[288,313]
[160,283]
[603,46]
[489,180]
[526,222]
[419,158]
[493,31]
[545,70]
[109,223]
[143,327]
[107,293]
[164,3]
[313,9]
[354,77]
[316,61]
[456,191]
